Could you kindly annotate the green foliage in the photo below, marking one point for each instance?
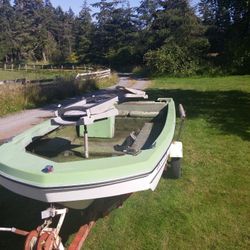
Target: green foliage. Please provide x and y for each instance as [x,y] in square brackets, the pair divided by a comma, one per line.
[72,58]
[6,16]
[228,32]
[178,40]
[122,56]
[83,34]
[171,59]
[115,32]
[123,37]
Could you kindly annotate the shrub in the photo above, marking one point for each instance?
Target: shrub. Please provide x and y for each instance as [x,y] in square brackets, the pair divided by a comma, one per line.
[171,59]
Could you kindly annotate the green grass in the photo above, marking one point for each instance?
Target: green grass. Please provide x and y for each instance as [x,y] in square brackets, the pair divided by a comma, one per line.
[240,83]
[35,74]
[208,208]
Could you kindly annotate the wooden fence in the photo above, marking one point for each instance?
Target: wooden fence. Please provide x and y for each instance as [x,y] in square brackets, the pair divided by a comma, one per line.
[94,75]
[80,76]
[12,67]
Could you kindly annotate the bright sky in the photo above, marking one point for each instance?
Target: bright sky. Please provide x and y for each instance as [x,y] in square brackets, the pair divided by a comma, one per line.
[76,4]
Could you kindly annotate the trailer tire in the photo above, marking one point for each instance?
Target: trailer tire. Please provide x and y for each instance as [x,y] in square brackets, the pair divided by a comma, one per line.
[175,168]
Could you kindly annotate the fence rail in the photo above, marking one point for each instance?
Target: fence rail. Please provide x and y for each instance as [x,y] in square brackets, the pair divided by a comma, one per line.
[80,76]
[12,67]
[94,75]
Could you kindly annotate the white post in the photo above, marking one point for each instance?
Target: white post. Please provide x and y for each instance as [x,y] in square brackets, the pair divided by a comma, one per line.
[86,143]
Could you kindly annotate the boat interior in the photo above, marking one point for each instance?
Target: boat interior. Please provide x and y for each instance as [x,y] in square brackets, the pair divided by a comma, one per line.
[134,127]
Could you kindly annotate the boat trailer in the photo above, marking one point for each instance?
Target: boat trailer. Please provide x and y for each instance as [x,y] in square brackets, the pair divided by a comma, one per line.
[45,237]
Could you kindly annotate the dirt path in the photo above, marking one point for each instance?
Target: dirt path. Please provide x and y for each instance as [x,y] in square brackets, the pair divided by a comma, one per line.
[15,124]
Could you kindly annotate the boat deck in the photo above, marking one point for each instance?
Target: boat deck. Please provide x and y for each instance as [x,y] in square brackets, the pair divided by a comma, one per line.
[63,144]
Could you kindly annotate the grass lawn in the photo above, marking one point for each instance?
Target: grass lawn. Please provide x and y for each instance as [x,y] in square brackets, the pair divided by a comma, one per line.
[208,208]
[35,75]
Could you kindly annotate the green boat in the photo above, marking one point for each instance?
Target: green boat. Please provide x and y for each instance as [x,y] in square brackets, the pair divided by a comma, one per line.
[98,147]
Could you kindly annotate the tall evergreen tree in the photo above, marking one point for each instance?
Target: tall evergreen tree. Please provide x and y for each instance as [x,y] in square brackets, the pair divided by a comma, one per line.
[83,32]
[178,40]
[6,38]
[27,28]
[49,47]
[68,36]
[63,34]
[114,32]
[146,12]
[228,31]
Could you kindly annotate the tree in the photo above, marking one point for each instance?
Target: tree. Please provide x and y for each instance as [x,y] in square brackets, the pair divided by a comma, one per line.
[27,28]
[83,34]
[49,48]
[146,12]
[114,33]
[177,28]
[6,17]
[228,31]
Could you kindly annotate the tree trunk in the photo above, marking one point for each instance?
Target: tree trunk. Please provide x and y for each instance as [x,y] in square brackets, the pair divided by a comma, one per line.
[44,57]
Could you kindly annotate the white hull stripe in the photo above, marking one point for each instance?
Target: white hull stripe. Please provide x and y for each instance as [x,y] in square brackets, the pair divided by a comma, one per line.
[89,186]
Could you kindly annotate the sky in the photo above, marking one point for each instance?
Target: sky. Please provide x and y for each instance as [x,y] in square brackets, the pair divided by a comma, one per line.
[77,4]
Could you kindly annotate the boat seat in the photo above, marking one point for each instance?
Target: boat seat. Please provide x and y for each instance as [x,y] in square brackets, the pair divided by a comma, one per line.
[86,112]
[141,139]
[132,93]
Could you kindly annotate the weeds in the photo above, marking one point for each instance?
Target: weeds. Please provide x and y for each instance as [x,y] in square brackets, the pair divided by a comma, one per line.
[16,97]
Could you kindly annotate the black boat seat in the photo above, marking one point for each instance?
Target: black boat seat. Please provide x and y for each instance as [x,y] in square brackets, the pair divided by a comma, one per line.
[135,142]
[141,138]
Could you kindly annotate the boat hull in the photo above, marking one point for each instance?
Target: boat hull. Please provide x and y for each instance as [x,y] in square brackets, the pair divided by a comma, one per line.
[80,197]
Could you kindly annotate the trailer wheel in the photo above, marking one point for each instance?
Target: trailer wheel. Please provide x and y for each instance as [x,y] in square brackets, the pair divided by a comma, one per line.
[175,168]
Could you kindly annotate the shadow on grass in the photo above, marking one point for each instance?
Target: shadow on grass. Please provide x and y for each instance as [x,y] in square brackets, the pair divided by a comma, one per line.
[24,213]
[226,110]
[18,212]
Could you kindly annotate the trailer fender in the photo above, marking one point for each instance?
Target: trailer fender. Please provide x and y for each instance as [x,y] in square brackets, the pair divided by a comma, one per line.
[176,150]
